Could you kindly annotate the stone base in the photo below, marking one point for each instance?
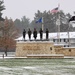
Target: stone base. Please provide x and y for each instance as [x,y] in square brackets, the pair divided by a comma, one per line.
[23,49]
[46,56]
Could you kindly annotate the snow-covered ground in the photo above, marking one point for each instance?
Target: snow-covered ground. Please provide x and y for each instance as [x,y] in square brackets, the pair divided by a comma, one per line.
[37,67]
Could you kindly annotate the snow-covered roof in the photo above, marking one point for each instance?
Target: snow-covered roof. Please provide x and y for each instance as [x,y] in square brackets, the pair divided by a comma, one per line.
[51,36]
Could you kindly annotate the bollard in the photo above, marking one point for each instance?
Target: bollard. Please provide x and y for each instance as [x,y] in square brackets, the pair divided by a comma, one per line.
[3,56]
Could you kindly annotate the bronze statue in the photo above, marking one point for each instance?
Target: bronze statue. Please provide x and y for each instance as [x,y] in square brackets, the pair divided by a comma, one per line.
[24,33]
[41,33]
[29,34]
[47,34]
[35,33]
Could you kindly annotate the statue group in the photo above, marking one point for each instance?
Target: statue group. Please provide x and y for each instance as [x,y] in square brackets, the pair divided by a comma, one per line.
[35,33]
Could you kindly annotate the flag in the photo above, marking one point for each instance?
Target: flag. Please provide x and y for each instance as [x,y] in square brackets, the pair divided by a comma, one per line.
[72,18]
[39,20]
[72,21]
[55,10]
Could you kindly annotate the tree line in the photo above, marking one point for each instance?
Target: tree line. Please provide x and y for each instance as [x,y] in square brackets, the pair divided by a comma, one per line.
[49,22]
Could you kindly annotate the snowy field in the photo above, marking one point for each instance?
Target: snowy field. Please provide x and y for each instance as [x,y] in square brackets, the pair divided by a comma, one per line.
[37,66]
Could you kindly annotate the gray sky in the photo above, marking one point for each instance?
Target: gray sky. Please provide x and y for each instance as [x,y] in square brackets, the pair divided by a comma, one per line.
[19,8]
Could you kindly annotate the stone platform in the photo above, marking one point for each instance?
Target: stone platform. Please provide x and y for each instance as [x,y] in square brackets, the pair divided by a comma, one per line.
[36,49]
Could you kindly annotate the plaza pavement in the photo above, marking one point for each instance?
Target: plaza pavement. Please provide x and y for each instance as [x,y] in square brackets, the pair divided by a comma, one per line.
[12,55]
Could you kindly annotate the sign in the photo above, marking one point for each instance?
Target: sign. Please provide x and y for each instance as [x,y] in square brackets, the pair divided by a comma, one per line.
[31,48]
[58,22]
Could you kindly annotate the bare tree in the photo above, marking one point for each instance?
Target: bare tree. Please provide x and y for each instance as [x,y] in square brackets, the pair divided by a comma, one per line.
[9,33]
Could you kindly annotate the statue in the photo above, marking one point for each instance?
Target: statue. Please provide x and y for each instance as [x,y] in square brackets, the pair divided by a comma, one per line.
[24,34]
[29,34]
[41,33]
[35,33]
[47,34]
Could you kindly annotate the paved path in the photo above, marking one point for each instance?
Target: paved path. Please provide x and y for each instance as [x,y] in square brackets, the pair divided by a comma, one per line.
[12,55]
[8,57]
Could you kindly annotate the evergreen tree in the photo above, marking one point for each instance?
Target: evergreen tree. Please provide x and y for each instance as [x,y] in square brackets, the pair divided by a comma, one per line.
[24,23]
[2,7]
[50,21]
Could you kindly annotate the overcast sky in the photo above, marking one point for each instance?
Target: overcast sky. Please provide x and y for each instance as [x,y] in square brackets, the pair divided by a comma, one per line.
[19,8]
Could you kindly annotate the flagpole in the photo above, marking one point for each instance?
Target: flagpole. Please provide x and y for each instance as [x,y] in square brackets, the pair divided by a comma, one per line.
[42,24]
[58,33]
[68,36]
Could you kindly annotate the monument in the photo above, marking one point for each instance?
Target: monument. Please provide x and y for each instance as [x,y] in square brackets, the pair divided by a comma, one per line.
[36,48]
[32,49]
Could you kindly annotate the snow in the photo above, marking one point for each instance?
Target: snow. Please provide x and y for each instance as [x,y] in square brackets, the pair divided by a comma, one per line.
[51,36]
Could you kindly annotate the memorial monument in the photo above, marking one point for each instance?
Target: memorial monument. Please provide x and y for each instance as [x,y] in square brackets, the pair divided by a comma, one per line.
[36,48]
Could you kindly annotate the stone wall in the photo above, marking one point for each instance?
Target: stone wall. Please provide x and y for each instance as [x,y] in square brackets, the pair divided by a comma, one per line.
[67,51]
[25,48]
[58,49]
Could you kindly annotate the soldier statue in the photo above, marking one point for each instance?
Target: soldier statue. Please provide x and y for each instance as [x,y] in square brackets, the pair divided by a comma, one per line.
[35,33]
[41,33]
[24,34]
[29,34]
[47,33]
